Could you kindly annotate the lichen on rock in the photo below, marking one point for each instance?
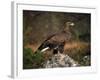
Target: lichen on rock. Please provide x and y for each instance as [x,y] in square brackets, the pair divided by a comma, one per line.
[60,60]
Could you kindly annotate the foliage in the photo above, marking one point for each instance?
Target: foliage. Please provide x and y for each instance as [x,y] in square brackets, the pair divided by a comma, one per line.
[38,59]
[27,58]
[32,60]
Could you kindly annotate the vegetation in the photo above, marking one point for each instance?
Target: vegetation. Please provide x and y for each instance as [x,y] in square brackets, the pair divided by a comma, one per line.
[27,58]
[32,60]
[79,51]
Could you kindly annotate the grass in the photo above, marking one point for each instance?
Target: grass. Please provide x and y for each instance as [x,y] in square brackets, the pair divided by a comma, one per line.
[78,51]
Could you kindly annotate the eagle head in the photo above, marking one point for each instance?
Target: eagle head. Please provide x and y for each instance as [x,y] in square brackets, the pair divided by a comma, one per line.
[68,26]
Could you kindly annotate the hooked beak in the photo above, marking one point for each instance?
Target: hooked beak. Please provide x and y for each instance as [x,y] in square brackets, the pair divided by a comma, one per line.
[72,24]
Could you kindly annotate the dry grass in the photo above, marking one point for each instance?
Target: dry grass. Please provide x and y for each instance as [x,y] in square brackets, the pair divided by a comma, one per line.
[34,47]
[77,47]
[77,50]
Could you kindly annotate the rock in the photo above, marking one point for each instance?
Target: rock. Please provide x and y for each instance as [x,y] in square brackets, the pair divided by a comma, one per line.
[86,60]
[60,60]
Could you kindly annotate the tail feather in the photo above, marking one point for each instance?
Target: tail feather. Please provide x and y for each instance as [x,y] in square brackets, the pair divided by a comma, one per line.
[45,49]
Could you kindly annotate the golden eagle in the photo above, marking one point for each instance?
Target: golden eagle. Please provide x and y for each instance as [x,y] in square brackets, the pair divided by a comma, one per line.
[58,40]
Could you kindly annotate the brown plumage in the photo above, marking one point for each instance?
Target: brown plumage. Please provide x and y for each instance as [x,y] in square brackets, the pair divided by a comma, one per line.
[58,40]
